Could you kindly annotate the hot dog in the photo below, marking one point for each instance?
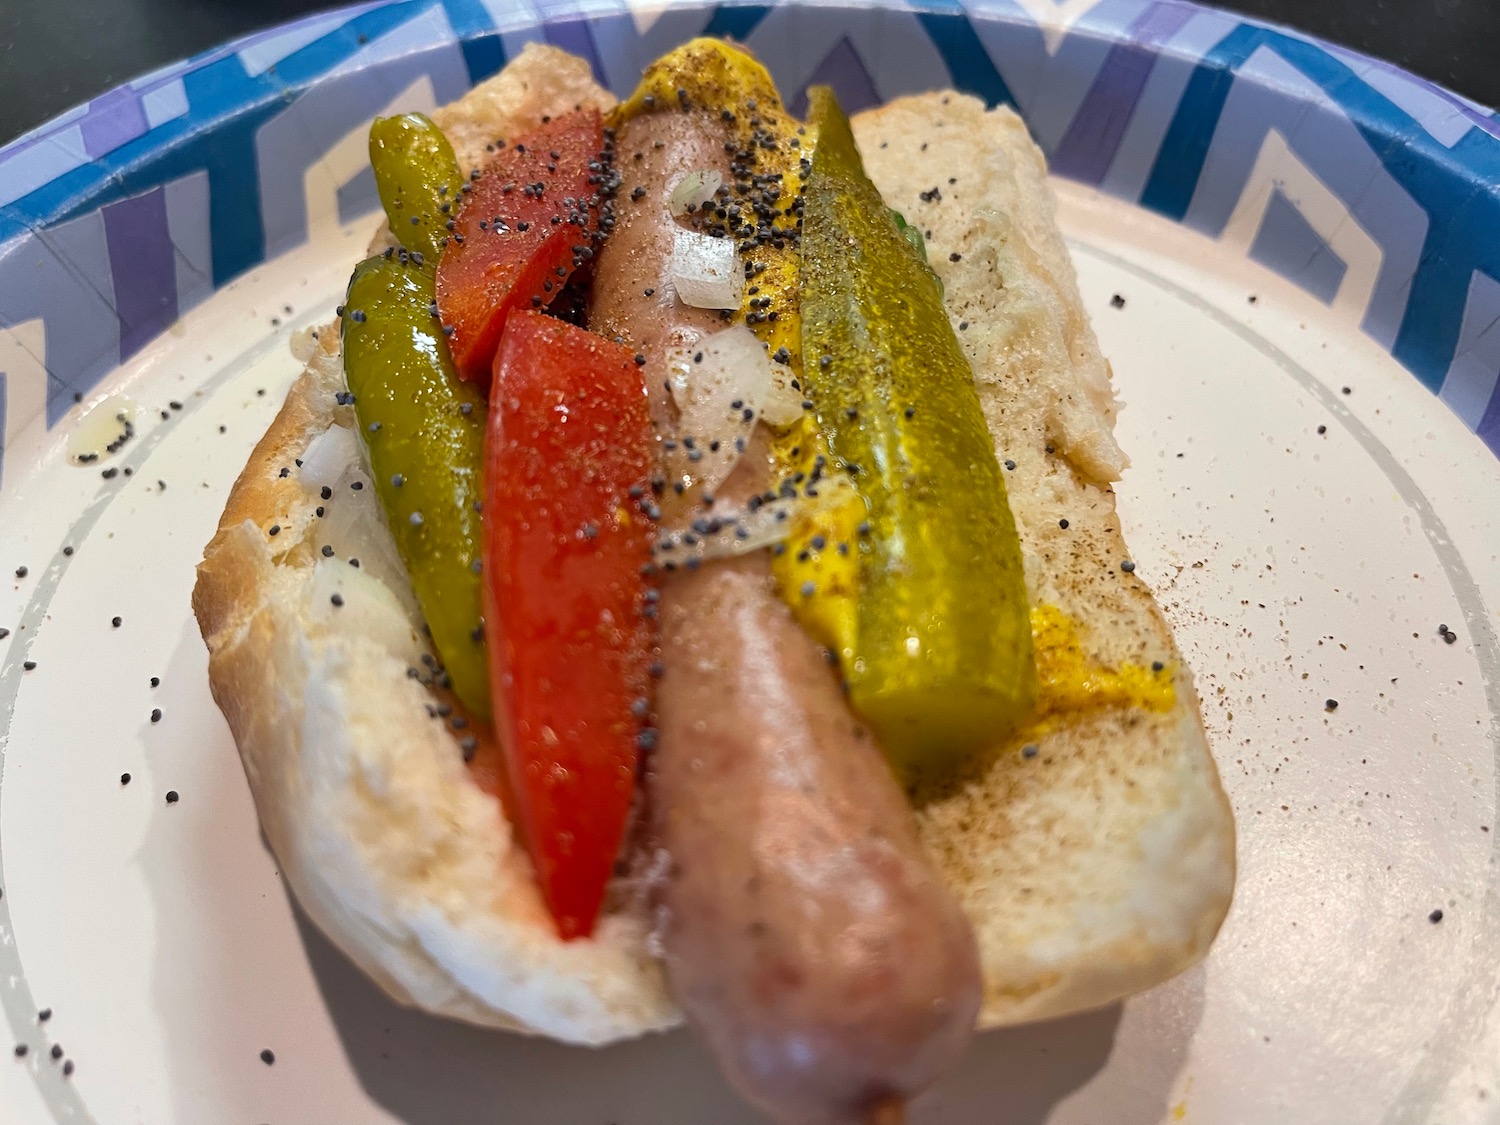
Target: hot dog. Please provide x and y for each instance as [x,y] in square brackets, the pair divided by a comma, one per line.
[805,933]
[824,942]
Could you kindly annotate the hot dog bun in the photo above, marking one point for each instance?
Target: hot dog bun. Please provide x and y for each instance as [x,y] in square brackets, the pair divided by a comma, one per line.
[1098,867]
[1105,864]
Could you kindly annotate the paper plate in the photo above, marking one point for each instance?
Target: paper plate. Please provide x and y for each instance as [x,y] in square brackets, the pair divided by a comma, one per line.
[1292,256]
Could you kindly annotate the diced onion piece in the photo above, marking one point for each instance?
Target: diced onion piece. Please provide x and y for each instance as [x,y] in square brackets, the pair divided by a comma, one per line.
[719,385]
[353,522]
[328,456]
[694,190]
[725,534]
[369,608]
[783,404]
[706,271]
[304,343]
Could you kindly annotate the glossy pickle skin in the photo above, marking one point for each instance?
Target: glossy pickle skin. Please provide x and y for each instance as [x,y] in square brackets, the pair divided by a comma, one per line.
[939,660]
[418,178]
[423,426]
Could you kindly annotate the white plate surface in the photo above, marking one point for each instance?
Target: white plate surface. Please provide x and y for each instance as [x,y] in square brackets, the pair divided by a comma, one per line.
[1296,567]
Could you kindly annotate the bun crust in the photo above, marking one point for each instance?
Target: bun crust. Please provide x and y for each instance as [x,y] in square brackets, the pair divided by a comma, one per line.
[1096,868]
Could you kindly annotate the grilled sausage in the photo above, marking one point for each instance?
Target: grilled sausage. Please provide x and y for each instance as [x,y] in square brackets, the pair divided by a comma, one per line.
[807,937]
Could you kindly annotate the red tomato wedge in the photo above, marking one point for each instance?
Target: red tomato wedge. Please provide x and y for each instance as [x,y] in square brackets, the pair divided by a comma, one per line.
[521,228]
[570,613]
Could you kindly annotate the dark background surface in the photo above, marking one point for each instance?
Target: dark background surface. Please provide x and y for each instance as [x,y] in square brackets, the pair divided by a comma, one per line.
[57,53]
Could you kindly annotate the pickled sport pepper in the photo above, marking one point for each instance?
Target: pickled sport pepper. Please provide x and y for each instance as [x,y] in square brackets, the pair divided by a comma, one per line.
[418,179]
[423,430]
[937,652]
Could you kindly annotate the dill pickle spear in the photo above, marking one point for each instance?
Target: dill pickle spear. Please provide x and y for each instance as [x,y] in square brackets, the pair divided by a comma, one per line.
[940,654]
[418,179]
[423,430]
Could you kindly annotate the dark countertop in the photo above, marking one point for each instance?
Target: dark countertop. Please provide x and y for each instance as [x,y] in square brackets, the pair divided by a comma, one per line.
[57,53]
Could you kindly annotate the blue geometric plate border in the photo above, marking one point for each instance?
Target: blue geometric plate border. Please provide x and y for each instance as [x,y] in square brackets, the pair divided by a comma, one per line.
[1376,192]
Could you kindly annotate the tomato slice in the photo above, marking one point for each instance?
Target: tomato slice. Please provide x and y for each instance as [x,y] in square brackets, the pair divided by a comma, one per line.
[570,616]
[521,229]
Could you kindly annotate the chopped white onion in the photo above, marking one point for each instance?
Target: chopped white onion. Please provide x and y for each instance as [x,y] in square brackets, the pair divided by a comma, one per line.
[328,456]
[303,343]
[693,190]
[719,385]
[719,535]
[354,525]
[353,521]
[706,271]
[783,404]
[368,608]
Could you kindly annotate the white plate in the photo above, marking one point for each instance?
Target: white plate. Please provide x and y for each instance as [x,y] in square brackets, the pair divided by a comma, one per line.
[1296,567]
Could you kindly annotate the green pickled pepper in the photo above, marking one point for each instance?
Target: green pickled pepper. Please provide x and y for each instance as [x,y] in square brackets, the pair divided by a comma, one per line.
[423,429]
[941,661]
[419,180]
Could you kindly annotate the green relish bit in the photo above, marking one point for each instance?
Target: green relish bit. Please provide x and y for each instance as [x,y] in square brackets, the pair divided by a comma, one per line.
[912,235]
[939,658]
[423,430]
